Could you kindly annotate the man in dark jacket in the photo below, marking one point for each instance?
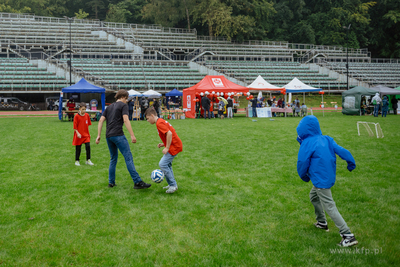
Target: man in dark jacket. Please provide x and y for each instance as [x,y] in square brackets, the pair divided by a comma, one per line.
[394,104]
[229,108]
[205,103]
[254,106]
[156,106]
[131,103]
[144,104]
[269,101]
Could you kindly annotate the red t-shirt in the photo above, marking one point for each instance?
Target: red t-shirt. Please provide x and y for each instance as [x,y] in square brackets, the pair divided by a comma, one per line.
[81,123]
[163,127]
[71,105]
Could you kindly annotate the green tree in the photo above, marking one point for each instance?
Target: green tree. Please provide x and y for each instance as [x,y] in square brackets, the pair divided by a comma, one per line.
[135,7]
[97,7]
[81,14]
[385,29]
[8,9]
[217,16]
[328,26]
[117,13]
[261,11]
[166,13]
[302,32]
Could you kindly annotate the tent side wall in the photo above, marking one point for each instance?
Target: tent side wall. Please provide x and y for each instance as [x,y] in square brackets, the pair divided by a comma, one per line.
[357,104]
[60,106]
[188,103]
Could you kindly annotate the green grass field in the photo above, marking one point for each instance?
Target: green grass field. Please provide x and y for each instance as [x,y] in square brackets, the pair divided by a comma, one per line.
[240,201]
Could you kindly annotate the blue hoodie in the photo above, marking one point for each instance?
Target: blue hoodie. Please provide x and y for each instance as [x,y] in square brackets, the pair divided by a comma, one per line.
[317,159]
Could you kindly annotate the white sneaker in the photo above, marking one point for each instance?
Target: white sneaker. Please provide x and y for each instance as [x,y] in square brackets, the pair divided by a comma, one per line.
[166,187]
[89,162]
[171,189]
[348,240]
[77,163]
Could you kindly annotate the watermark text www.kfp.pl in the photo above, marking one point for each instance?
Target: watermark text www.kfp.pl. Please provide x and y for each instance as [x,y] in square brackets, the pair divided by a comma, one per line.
[356,250]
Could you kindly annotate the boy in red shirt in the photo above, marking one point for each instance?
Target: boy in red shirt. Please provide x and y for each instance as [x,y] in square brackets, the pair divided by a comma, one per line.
[81,134]
[172,146]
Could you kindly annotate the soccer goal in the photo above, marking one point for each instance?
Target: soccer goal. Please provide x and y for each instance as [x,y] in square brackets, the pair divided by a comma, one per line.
[367,126]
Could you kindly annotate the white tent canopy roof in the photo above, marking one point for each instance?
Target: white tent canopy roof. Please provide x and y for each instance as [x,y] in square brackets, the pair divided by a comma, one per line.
[383,90]
[151,93]
[260,84]
[134,93]
[297,86]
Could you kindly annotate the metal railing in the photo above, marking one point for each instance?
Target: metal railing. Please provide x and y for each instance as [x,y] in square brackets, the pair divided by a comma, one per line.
[386,60]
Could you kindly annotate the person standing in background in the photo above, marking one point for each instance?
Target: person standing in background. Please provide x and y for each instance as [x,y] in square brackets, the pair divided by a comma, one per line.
[394,104]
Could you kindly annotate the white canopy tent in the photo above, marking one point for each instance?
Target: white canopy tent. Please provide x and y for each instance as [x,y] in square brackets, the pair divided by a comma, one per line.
[260,84]
[383,90]
[134,93]
[297,86]
[152,94]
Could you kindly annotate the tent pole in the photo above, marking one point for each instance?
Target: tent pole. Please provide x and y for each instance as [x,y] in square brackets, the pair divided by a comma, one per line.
[285,104]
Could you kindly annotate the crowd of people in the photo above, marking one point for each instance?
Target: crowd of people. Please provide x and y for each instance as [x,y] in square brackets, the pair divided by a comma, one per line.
[380,105]
[298,109]
[159,104]
[224,107]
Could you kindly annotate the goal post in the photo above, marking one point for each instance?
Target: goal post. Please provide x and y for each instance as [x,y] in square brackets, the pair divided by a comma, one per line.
[367,126]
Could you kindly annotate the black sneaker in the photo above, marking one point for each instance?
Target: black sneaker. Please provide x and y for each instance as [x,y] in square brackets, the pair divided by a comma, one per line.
[348,240]
[141,185]
[111,185]
[321,225]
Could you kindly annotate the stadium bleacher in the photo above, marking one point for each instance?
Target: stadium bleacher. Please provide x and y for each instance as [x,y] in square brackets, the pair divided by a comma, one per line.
[277,73]
[387,74]
[17,74]
[140,57]
[159,75]
[53,36]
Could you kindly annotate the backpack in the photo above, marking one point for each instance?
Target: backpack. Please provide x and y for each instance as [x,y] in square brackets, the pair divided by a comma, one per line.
[374,102]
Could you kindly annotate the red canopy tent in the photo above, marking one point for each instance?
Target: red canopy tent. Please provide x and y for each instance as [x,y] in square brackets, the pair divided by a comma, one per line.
[210,83]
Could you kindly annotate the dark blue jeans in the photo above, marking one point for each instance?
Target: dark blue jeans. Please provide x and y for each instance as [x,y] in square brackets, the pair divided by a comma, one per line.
[254,112]
[207,110]
[376,110]
[120,143]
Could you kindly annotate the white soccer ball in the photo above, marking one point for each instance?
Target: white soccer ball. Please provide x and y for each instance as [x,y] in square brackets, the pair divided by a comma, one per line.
[157,176]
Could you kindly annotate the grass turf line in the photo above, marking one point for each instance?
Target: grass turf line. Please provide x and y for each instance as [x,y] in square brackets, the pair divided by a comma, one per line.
[239,203]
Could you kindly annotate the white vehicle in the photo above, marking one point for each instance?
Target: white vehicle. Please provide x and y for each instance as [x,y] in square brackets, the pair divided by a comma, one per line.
[64,104]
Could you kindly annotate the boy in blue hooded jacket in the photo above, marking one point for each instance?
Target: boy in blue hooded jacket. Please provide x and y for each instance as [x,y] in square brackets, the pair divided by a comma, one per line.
[317,162]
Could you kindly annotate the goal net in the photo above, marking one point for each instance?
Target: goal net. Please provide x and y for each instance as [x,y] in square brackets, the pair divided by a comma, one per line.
[369,128]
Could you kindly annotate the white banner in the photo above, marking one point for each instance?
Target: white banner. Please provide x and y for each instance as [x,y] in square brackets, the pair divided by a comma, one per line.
[264,113]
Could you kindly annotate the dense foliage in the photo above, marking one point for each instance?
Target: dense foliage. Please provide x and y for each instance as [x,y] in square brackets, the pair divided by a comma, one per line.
[374,24]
